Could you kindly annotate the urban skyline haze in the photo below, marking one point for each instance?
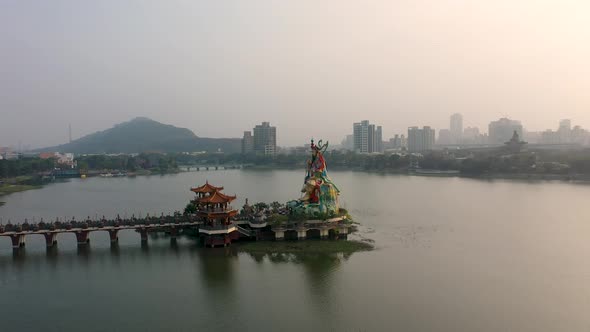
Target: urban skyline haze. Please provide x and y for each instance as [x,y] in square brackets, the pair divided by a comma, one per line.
[310,68]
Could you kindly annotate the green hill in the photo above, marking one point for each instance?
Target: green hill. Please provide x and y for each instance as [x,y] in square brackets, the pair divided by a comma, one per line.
[143,135]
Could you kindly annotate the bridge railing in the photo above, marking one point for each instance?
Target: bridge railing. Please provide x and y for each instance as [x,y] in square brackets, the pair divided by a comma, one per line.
[50,226]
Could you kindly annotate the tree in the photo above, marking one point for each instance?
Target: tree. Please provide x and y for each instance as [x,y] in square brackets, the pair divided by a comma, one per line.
[190,209]
[275,206]
[260,206]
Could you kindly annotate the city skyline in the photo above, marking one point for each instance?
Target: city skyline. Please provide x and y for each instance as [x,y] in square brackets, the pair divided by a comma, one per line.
[292,64]
[551,135]
[466,123]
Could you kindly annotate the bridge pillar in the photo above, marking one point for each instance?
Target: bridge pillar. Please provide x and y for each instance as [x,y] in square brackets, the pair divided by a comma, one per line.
[279,235]
[50,239]
[82,237]
[18,240]
[114,235]
[144,235]
[173,235]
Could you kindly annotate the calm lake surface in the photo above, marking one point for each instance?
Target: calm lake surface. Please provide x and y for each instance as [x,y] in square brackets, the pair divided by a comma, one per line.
[452,255]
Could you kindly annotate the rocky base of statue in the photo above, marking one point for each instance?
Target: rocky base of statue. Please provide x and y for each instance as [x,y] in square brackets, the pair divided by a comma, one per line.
[319,199]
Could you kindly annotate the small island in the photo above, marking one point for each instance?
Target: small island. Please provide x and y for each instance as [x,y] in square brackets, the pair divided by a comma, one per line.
[315,215]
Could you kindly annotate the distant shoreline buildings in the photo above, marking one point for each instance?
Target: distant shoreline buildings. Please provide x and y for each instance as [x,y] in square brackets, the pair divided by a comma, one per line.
[420,139]
[564,134]
[367,137]
[456,129]
[501,131]
[262,142]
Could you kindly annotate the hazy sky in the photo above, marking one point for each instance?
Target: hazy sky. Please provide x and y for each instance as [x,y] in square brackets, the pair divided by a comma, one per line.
[310,67]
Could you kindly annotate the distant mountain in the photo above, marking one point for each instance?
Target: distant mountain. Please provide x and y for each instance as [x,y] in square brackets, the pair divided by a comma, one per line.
[143,135]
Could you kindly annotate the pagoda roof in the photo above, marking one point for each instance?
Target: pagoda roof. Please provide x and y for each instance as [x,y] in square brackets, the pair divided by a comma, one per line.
[216,197]
[206,189]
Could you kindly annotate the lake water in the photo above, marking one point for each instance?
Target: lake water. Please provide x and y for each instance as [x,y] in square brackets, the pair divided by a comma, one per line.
[452,255]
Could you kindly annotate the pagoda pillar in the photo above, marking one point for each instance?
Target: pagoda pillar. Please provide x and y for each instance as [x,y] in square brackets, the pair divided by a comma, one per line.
[301,234]
[343,232]
[324,233]
[279,235]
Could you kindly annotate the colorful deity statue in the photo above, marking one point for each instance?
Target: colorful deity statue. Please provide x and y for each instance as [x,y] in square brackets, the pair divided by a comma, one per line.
[319,194]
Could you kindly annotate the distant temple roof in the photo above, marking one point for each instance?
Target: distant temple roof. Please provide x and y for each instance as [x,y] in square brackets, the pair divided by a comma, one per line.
[216,198]
[515,140]
[206,189]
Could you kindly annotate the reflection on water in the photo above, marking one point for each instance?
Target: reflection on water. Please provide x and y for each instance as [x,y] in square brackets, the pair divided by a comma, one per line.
[314,263]
[217,266]
[317,268]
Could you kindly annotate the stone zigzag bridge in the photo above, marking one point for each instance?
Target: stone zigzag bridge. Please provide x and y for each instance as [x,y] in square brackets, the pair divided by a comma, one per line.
[174,226]
[82,230]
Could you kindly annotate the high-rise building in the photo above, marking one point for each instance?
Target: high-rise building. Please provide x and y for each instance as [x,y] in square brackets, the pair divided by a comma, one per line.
[565,124]
[367,137]
[360,133]
[348,143]
[379,139]
[456,128]
[398,142]
[580,136]
[471,135]
[445,137]
[265,139]
[501,131]
[420,140]
[565,131]
[247,143]
[549,137]
[371,138]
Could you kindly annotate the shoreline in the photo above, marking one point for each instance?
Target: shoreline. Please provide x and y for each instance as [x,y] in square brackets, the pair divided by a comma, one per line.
[15,188]
[496,176]
[6,190]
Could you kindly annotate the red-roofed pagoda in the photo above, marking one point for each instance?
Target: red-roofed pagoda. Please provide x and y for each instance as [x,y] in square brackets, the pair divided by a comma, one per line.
[212,206]
[205,189]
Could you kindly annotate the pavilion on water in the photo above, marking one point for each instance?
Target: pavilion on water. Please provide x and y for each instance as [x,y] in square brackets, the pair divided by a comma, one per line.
[213,207]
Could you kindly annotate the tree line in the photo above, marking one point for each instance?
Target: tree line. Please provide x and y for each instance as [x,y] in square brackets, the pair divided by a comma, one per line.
[472,163]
